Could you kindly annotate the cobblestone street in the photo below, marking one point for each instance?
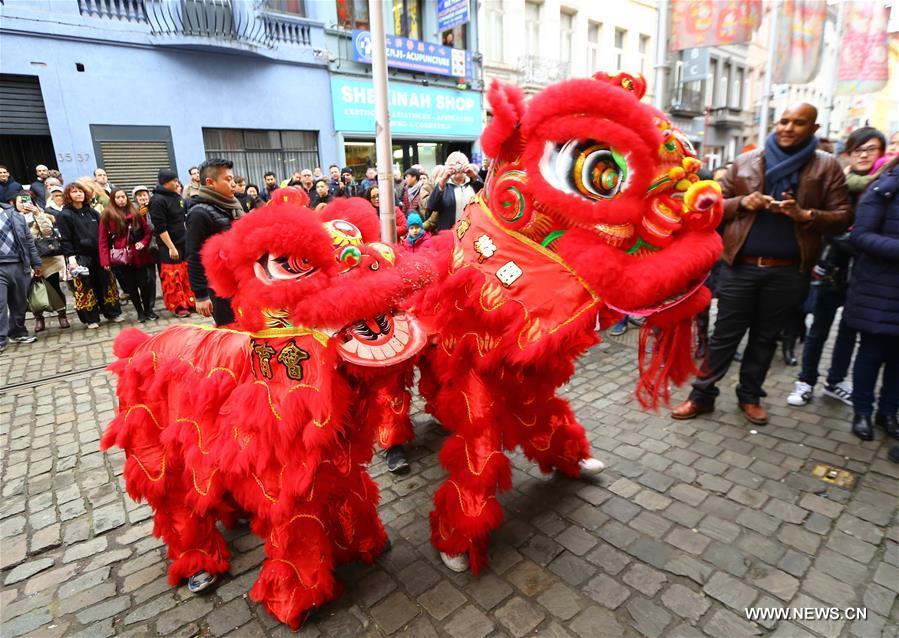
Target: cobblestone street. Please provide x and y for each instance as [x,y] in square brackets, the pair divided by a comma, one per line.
[691,523]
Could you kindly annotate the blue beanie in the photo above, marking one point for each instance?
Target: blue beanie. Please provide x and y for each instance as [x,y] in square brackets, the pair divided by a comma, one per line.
[413,219]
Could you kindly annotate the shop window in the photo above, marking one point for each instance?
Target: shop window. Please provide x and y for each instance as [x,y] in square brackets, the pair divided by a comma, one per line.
[407,18]
[295,7]
[254,152]
[352,14]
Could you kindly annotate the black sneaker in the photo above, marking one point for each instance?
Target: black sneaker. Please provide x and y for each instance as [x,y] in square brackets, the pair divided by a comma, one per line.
[889,423]
[893,454]
[152,316]
[200,581]
[396,460]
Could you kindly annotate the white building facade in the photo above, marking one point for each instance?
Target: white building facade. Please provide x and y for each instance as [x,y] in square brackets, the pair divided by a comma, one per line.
[535,43]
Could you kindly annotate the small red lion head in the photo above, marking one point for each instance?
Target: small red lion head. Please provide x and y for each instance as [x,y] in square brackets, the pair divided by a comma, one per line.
[286,266]
[588,170]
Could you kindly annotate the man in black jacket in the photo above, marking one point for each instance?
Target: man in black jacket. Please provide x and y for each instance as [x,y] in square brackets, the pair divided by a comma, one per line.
[38,190]
[167,214]
[211,212]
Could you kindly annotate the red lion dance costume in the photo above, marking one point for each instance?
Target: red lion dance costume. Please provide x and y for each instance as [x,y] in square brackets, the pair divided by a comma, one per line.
[593,204]
[273,420]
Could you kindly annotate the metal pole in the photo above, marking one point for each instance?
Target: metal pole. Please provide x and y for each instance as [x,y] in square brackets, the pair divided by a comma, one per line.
[661,67]
[769,69]
[383,142]
[832,81]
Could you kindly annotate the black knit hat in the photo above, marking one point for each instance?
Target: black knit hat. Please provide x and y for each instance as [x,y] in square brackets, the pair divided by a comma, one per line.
[166,175]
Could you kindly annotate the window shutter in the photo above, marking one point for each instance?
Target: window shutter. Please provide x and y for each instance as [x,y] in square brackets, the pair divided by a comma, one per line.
[131,163]
[22,106]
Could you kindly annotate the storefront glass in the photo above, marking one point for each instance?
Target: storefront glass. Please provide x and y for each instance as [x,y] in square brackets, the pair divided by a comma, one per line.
[360,154]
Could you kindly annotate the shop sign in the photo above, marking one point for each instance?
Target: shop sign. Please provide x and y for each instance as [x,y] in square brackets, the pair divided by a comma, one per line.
[696,65]
[415,55]
[423,111]
[452,13]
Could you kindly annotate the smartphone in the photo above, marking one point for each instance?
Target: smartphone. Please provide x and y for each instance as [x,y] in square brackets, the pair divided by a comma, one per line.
[774,206]
[26,198]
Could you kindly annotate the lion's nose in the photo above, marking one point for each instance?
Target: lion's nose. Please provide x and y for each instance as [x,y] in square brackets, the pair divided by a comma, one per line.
[703,205]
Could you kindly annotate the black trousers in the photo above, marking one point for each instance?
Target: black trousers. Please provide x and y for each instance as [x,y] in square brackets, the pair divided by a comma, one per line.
[760,300]
[222,313]
[140,284]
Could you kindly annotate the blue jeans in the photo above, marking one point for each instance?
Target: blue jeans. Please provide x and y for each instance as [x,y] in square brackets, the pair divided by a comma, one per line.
[874,352]
[14,282]
[826,305]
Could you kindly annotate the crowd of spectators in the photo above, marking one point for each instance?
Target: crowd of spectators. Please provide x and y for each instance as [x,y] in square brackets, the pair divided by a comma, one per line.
[107,247]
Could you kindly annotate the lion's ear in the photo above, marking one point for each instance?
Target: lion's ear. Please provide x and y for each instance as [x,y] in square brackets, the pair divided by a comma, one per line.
[218,264]
[502,139]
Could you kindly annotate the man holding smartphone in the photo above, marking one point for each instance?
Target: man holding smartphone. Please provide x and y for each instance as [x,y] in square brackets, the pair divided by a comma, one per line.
[778,202]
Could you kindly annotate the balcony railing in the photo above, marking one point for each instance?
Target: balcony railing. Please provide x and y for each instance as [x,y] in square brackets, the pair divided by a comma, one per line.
[285,28]
[726,116]
[536,70]
[215,20]
[231,21]
[687,103]
[130,10]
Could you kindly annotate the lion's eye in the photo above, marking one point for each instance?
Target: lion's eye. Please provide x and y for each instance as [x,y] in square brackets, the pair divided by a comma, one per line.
[294,265]
[584,167]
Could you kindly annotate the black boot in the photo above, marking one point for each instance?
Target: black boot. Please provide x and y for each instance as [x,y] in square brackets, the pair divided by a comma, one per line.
[396,460]
[862,428]
[893,454]
[889,423]
[789,354]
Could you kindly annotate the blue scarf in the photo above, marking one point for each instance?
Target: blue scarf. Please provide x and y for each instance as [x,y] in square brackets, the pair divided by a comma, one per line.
[782,167]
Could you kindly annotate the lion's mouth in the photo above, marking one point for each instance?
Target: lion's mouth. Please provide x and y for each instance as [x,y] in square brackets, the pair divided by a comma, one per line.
[665,304]
[383,340]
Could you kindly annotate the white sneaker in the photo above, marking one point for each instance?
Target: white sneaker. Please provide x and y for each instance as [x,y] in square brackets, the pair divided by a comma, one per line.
[801,394]
[93,326]
[591,466]
[841,391]
[118,319]
[457,563]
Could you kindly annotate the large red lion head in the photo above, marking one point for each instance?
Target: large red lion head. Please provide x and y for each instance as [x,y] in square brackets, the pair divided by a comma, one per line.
[285,266]
[603,180]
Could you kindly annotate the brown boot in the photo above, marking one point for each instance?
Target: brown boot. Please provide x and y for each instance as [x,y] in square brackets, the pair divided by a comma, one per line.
[39,325]
[63,322]
[689,410]
[754,413]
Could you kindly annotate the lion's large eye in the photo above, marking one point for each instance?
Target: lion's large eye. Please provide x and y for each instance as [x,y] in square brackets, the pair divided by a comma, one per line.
[584,167]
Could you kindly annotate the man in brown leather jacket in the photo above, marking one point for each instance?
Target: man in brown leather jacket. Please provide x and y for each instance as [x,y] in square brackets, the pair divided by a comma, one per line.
[779,201]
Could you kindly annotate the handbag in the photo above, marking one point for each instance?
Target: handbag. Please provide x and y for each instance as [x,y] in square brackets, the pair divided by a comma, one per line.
[39,298]
[49,246]
[121,256]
